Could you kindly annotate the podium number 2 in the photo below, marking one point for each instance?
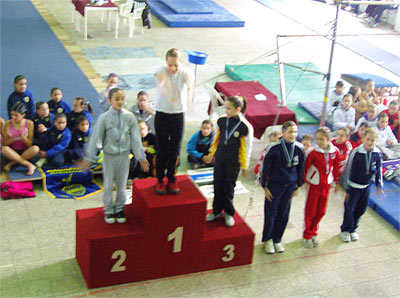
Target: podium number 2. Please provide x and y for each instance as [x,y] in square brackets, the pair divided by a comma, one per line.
[120,255]
[177,237]
[230,248]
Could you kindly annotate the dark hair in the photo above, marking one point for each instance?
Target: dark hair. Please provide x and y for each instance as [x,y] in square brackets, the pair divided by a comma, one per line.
[207,121]
[19,107]
[112,91]
[368,81]
[307,138]
[141,93]
[288,124]
[18,78]
[366,124]
[54,89]
[112,75]
[61,115]
[348,95]
[326,131]
[39,104]
[382,115]
[80,119]
[238,102]
[339,84]
[353,90]
[86,103]
[173,52]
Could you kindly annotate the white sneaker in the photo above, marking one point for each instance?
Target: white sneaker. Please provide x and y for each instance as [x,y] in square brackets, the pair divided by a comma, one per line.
[279,247]
[363,15]
[315,241]
[269,247]
[212,216]
[354,236]
[109,218]
[229,220]
[345,236]
[308,243]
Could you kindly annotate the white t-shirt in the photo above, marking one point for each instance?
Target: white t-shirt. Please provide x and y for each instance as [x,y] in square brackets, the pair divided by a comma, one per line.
[172,90]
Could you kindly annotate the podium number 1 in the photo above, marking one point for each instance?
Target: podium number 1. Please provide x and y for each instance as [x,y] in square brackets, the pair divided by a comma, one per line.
[120,255]
[177,237]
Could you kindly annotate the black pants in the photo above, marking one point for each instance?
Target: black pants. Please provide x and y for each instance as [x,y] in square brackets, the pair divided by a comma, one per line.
[225,176]
[354,208]
[169,133]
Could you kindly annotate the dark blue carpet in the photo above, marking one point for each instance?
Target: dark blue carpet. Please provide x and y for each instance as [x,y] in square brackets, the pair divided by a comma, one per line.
[29,47]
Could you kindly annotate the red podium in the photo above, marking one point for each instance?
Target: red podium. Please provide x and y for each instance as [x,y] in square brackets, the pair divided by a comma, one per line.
[164,236]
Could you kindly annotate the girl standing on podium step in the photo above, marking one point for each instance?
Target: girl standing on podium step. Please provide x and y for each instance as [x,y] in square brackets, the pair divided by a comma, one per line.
[229,150]
[174,92]
[282,175]
[117,133]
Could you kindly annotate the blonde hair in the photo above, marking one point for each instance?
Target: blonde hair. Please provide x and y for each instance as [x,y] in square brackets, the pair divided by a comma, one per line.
[325,131]
[372,131]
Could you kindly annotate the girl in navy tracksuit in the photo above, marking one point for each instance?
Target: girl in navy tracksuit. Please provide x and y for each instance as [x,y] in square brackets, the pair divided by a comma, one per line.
[80,135]
[282,175]
[56,104]
[230,152]
[200,144]
[42,120]
[21,94]
[365,162]
[55,141]
[80,105]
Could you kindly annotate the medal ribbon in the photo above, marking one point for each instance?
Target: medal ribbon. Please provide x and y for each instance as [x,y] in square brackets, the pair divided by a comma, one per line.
[229,134]
[368,159]
[288,157]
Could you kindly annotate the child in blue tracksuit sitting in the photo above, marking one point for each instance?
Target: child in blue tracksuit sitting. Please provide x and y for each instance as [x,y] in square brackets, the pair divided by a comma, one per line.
[42,120]
[21,94]
[81,107]
[364,164]
[55,141]
[56,104]
[200,144]
[80,135]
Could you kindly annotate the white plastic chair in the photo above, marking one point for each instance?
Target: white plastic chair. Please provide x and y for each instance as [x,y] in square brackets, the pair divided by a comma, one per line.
[125,12]
[217,103]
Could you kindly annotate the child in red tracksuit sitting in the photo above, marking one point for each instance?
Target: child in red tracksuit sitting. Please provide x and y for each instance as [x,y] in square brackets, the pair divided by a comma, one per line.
[321,169]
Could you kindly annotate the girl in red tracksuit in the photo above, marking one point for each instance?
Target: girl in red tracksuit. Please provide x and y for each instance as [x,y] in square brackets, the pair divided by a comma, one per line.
[321,169]
[343,144]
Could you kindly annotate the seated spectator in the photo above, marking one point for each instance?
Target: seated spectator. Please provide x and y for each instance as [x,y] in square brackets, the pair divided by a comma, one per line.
[76,152]
[373,14]
[112,82]
[371,117]
[335,98]
[149,145]
[81,107]
[356,137]
[393,113]
[56,104]
[54,143]
[344,114]
[21,94]
[199,145]
[387,142]
[42,120]
[18,139]
[143,111]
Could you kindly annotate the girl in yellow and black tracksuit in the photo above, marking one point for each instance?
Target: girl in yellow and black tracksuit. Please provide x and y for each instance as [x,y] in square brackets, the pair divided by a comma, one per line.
[230,152]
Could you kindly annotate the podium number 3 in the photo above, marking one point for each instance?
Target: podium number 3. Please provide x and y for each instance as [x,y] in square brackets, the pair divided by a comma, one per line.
[120,255]
[230,253]
[177,237]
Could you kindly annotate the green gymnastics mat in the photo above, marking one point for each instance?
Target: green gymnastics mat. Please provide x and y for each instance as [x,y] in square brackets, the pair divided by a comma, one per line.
[301,86]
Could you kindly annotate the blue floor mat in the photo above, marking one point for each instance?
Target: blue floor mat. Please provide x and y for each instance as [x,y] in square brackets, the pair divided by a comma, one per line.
[193,13]
[309,19]
[29,47]
[18,173]
[360,78]
[315,109]
[389,207]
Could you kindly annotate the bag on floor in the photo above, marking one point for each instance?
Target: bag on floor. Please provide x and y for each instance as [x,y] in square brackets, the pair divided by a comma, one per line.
[17,190]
